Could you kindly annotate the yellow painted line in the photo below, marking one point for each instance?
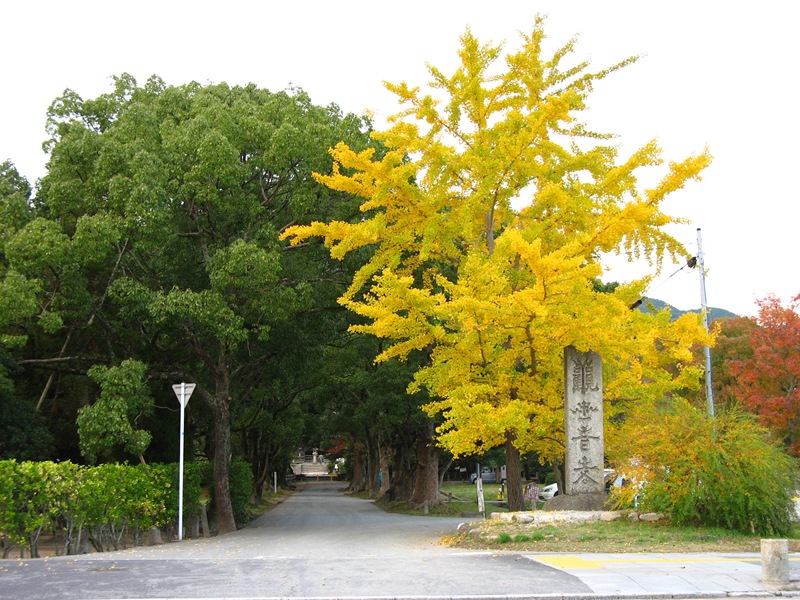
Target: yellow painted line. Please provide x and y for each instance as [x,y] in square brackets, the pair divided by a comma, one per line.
[566,561]
[690,560]
[569,562]
[676,560]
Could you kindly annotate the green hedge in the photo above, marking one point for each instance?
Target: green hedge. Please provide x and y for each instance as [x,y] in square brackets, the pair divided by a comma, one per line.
[241,482]
[106,504]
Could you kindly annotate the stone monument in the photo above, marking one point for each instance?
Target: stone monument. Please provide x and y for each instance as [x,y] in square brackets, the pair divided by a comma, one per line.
[583,422]
[583,425]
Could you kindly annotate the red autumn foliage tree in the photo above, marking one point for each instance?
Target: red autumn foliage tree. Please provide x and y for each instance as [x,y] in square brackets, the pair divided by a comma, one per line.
[768,383]
[731,348]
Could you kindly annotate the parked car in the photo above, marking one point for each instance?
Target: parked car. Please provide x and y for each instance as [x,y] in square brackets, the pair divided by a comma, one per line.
[609,476]
[613,480]
[548,491]
[487,475]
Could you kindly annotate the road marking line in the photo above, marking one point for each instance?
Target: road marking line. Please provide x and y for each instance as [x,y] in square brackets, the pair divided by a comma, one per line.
[699,559]
[569,562]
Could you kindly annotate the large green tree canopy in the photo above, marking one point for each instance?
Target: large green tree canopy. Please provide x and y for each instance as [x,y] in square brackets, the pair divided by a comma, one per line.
[155,237]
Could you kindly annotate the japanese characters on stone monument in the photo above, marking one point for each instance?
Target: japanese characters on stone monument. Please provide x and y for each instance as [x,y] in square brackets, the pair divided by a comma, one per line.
[583,422]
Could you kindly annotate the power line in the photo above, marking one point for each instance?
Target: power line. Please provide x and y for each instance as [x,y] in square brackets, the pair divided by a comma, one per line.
[690,263]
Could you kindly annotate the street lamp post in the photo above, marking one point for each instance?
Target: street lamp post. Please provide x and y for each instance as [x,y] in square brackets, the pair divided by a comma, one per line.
[183,391]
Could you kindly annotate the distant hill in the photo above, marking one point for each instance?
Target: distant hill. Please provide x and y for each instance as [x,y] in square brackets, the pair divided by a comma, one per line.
[714,312]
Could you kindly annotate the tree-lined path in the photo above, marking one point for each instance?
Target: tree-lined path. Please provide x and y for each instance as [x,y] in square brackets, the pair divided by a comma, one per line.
[318,543]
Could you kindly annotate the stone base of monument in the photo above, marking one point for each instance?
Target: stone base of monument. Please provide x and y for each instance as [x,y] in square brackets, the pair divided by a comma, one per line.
[597,501]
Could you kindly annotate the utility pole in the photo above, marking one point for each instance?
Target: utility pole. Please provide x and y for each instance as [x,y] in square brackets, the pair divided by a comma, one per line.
[704,305]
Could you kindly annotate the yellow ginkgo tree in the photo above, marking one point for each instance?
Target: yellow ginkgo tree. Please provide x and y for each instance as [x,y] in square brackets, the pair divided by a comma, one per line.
[488,218]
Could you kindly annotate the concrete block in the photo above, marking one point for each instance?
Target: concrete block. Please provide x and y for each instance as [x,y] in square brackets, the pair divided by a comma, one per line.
[775,562]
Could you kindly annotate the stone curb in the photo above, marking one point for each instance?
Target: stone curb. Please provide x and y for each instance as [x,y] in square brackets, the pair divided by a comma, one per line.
[665,596]
[540,517]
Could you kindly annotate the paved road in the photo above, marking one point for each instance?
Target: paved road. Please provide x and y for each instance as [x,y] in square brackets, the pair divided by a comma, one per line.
[322,544]
[319,543]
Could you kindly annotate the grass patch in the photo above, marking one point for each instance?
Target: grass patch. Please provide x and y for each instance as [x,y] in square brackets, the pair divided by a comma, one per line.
[622,535]
[459,500]
[464,495]
[446,509]
[468,491]
[269,501]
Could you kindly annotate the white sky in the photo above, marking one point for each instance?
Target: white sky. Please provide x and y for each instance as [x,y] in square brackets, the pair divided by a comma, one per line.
[714,73]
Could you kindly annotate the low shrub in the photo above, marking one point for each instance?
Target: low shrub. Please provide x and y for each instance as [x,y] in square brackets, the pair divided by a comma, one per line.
[719,472]
[241,485]
[105,504]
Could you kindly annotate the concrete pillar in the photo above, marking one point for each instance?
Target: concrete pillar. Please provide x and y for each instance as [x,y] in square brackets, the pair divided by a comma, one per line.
[155,537]
[775,562]
[204,520]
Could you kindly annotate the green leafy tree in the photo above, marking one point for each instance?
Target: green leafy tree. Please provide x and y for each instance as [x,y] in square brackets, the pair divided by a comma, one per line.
[155,237]
[17,294]
[15,203]
[490,214]
[110,422]
[23,433]
[368,405]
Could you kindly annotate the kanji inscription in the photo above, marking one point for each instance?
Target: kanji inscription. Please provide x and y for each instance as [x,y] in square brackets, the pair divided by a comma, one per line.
[583,416]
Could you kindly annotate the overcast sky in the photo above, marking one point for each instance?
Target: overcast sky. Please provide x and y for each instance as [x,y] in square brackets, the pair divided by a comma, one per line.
[716,74]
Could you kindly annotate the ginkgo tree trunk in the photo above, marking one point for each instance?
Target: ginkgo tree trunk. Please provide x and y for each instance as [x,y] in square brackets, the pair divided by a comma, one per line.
[489,217]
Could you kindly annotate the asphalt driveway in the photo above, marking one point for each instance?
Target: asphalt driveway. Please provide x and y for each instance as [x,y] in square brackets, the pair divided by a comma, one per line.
[318,543]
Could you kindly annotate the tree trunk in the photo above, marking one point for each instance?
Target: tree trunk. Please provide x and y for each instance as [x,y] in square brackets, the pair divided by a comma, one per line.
[443,469]
[223,509]
[373,464]
[516,501]
[426,479]
[402,471]
[358,481]
[383,471]
[256,449]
